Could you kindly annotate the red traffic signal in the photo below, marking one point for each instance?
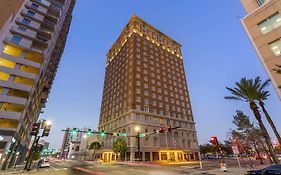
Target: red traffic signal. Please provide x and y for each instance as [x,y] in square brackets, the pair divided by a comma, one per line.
[162,130]
[214,140]
[169,128]
[35,129]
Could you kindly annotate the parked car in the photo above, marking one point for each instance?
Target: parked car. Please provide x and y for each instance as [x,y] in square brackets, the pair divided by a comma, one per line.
[279,156]
[270,170]
[43,163]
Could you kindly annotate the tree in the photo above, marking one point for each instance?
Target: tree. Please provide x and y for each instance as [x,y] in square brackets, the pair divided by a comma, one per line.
[261,96]
[246,90]
[119,146]
[246,135]
[95,146]
[207,148]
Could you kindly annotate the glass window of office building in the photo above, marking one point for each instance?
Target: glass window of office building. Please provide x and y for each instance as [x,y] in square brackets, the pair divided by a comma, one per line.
[260,2]
[270,23]
[276,47]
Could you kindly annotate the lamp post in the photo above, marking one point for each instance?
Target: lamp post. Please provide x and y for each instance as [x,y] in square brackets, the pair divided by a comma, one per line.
[137,129]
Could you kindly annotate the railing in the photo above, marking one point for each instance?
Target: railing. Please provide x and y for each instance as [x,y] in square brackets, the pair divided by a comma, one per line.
[36,26]
[24,44]
[15,29]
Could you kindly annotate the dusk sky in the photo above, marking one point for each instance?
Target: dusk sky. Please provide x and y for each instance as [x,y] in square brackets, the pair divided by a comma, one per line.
[216,51]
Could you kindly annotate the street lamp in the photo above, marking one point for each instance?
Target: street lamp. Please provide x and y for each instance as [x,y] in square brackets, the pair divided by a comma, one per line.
[48,122]
[137,128]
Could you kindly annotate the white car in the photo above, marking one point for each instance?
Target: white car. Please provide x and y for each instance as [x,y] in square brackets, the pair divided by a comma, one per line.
[44,163]
[279,157]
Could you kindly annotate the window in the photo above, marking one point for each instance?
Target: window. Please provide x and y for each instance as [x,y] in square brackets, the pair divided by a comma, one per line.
[146,108]
[22,28]
[16,39]
[276,47]
[260,2]
[146,93]
[26,21]
[270,23]
[35,6]
[30,13]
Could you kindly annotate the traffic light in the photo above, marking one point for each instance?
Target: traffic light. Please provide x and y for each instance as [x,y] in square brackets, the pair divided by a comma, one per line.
[89,132]
[123,134]
[169,128]
[214,140]
[102,133]
[162,130]
[35,129]
[141,135]
[74,131]
[46,131]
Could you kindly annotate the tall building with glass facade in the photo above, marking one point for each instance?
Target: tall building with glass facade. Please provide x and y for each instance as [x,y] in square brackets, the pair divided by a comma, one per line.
[145,89]
[263,26]
[32,39]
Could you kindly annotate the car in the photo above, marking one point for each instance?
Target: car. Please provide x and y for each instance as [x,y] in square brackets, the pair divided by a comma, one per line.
[43,163]
[279,156]
[270,170]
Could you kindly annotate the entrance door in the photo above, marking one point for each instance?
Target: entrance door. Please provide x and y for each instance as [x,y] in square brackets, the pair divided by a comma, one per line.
[172,156]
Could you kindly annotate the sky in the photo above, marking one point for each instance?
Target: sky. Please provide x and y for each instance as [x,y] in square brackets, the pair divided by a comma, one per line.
[216,51]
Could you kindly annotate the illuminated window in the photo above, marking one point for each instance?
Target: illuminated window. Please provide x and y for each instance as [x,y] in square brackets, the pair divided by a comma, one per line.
[8,123]
[23,80]
[29,69]
[270,23]
[7,63]
[11,107]
[11,50]
[276,47]
[4,76]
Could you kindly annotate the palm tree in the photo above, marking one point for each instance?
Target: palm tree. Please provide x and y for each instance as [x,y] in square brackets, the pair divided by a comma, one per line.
[261,96]
[246,90]
[95,146]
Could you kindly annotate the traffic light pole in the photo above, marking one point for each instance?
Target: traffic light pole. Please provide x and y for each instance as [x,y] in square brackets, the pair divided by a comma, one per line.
[138,148]
[30,156]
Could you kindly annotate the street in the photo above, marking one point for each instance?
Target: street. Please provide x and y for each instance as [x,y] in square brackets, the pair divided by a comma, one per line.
[60,167]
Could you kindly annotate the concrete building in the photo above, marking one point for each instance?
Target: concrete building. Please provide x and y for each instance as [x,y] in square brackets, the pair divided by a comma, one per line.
[84,152]
[144,89]
[263,26]
[68,140]
[32,39]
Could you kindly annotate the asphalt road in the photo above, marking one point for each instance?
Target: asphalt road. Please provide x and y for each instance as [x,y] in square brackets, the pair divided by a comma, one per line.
[77,168]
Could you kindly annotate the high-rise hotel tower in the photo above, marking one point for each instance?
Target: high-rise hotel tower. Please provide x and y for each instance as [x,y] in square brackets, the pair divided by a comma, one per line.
[32,39]
[145,89]
[263,26]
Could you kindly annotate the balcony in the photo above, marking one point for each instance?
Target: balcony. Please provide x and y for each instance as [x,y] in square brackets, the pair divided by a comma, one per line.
[52,8]
[23,44]
[41,10]
[39,18]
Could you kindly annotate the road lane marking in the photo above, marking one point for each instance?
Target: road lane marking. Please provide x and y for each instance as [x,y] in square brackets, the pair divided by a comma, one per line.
[89,171]
[54,168]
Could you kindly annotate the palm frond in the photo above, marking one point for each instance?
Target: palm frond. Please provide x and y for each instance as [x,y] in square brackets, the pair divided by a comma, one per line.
[233,98]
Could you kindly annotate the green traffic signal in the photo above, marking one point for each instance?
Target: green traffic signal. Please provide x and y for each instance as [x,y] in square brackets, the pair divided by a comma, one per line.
[89,132]
[141,135]
[102,133]
[74,131]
